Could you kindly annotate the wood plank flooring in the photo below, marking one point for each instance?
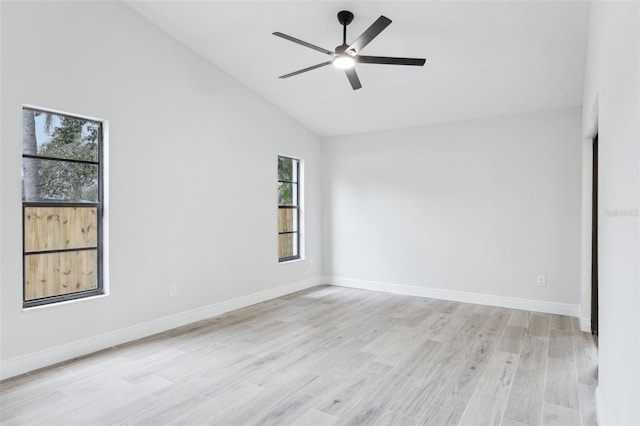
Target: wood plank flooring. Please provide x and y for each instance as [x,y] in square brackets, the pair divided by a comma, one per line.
[326,356]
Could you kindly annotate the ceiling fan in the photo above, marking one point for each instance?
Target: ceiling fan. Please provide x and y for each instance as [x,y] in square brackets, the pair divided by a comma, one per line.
[346,55]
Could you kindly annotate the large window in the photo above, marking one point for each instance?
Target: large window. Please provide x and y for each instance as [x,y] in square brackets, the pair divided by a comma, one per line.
[62,207]
[288,208]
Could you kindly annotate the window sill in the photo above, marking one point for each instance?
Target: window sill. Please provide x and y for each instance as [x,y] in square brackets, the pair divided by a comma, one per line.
[291,261]
[64,303]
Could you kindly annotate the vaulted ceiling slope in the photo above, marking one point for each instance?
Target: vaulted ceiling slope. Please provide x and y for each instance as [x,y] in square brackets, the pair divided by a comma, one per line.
[484,58]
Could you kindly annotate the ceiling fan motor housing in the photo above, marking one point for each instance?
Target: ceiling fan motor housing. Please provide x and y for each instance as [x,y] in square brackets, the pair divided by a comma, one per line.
[343,49]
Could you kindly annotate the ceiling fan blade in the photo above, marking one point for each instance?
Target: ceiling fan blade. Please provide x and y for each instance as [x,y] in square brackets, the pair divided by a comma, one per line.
[324,64]
[390,61]
[372,32]
[353,78]
[304,43]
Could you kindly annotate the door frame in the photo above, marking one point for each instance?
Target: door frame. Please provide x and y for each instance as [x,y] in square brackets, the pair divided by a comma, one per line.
[589,131]
[594,238]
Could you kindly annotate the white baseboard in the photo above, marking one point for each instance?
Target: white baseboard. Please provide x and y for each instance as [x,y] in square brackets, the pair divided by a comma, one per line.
[460,296]
[19,365]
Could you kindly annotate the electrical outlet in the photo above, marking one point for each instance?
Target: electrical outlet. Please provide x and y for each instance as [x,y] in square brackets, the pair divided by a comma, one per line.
[173,288]
[542,281]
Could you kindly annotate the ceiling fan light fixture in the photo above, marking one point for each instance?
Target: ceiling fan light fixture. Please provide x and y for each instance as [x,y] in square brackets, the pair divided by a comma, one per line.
[344,62]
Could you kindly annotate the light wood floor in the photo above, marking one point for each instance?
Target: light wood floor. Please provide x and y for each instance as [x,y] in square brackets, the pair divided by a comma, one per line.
[324,356]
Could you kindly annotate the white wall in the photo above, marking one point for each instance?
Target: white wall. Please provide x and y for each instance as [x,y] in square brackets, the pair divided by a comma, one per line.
[478,206]
[192,174]
[612,105]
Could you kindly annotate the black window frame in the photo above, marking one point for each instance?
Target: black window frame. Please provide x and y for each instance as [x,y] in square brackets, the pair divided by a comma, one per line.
[99,205]
[296,207]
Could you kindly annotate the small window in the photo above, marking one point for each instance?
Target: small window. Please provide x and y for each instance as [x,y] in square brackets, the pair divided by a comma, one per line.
[288,208]
[62,207]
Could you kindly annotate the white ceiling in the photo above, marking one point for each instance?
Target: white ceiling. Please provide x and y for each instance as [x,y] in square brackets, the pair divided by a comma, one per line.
[484,58]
